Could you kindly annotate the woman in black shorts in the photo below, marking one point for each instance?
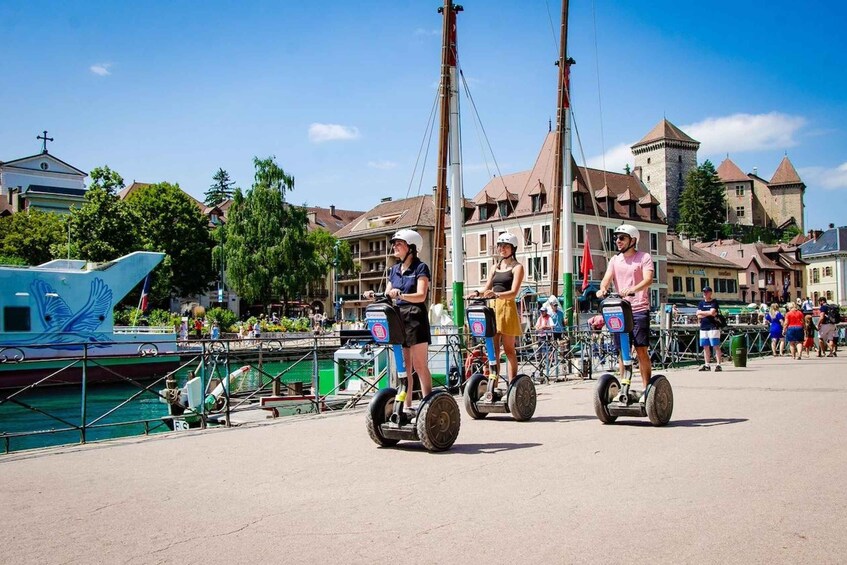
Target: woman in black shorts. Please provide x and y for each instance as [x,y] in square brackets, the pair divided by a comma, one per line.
[408,285]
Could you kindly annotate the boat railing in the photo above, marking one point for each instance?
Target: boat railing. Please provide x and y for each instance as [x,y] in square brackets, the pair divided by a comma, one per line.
[144,330]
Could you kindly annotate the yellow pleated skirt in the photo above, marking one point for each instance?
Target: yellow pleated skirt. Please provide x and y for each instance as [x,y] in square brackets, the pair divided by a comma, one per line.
[506,314]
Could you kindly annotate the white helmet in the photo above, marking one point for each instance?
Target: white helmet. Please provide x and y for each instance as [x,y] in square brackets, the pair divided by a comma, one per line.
[506,237]
[411,237]
[553,301]
[627,229]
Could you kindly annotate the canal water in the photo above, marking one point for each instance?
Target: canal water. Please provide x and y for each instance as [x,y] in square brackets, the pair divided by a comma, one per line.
[39,413]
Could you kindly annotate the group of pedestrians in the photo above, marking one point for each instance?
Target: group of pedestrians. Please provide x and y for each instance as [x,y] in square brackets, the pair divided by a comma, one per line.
[798,328]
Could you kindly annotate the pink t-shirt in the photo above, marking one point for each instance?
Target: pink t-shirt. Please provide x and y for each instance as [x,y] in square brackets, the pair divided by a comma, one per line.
[628,272]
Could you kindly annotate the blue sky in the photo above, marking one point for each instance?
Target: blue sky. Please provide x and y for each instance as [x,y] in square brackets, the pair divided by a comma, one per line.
[341,92]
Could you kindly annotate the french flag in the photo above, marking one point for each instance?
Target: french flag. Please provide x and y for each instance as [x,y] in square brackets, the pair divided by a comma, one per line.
[145,293]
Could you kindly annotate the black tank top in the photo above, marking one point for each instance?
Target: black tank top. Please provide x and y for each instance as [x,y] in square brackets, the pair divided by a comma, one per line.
[502,281]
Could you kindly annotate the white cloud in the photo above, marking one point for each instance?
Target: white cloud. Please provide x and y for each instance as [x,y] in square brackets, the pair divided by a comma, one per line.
[382,165]
[318,133]
[100,69]
[615,160]
[832,178]
[745,132]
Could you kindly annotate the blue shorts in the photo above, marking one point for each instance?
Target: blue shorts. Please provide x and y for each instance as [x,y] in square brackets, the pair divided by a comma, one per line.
[710,338]
[640,335]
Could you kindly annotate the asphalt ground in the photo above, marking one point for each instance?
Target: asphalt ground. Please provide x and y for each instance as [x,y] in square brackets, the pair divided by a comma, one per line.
[751,469]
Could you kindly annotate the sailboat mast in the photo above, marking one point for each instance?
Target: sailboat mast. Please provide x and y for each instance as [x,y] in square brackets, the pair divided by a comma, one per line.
[457,208]
[562,177]
[448,61]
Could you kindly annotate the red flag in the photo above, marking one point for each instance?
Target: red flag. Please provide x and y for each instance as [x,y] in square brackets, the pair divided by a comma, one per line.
[587,263]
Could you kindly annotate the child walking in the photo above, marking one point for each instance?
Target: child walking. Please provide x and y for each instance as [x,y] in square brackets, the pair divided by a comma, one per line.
[809,330]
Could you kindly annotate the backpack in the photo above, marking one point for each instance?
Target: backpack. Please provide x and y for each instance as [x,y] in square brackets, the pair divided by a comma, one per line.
[833,314]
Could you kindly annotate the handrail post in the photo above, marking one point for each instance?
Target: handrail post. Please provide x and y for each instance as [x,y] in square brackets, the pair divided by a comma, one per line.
[316,377]
[84,392]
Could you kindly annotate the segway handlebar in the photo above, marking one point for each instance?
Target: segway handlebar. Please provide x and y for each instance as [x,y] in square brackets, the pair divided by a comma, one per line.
[377,297]
[616,295]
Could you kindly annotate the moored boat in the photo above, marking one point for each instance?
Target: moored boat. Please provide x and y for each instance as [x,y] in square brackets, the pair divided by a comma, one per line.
[57,324]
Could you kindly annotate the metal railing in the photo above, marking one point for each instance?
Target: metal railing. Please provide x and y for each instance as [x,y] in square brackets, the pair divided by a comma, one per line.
[284,369]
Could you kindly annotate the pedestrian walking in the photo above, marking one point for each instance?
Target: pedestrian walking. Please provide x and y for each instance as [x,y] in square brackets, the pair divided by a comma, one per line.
[710,331]
[794,330]
[774,319]
[809,330]
[830,316]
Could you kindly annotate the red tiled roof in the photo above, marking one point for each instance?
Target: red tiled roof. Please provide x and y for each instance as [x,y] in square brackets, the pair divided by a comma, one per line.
[418,211]
[665,130]
[325,219]
[785,173]
[626,197]
[729,172]
[525,185]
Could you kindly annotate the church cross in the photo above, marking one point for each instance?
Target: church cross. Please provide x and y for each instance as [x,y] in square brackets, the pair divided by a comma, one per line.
[44,141]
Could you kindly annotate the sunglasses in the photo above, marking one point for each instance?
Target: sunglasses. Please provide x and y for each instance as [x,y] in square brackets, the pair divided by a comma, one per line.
[621,236]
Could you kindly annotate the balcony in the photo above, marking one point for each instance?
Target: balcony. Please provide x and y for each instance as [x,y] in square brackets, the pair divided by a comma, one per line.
[377,253]
[319,293]
[378,274]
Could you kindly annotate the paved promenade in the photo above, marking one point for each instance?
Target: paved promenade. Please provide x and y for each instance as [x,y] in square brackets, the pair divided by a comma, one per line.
[752,469]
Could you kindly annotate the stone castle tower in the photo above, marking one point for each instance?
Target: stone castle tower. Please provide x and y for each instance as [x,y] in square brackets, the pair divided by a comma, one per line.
[753,201]
[662,159]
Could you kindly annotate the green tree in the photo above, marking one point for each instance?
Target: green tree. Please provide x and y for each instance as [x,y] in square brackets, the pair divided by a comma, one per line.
[324,244]
[107,179]
[221,189]
[104,227]
[268,253]
[32,235]
[11,260]
[173,223]
[702,205]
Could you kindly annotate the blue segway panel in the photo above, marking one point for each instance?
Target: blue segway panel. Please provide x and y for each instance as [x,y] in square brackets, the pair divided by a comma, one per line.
[384,323]
[481,321]
[617,314]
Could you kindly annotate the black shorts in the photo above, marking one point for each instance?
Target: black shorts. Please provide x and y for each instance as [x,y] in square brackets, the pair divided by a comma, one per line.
[640,335]
[415,324]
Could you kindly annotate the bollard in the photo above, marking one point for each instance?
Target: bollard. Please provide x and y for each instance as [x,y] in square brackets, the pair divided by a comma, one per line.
[738,350]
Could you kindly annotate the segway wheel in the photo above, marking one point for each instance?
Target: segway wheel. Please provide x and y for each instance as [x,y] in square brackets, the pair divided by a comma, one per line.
[438,421]
[522,398]
[379,411]
[659,401]
[606,390]
[474,390]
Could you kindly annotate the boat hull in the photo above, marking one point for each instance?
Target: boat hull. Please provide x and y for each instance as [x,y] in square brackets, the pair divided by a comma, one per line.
[68,371]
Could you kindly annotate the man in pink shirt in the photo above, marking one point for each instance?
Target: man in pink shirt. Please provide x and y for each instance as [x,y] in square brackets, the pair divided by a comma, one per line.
[632,272]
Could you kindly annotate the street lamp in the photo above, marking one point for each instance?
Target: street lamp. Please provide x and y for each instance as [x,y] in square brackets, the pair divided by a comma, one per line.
[218,222]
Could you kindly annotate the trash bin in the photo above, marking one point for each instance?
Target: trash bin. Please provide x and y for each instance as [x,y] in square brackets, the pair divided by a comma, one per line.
[738,350]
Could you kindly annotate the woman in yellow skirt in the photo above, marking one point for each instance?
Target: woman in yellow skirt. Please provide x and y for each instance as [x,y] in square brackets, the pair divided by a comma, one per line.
[504,285]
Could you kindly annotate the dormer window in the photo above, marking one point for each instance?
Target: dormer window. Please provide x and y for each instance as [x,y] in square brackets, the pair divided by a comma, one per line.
[632,211]
[503,208]
[579,201]
[483,212]
[537,202]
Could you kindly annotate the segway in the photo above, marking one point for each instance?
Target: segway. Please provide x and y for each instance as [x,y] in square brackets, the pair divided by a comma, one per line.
[436,424]
[482,397]
[613,398]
